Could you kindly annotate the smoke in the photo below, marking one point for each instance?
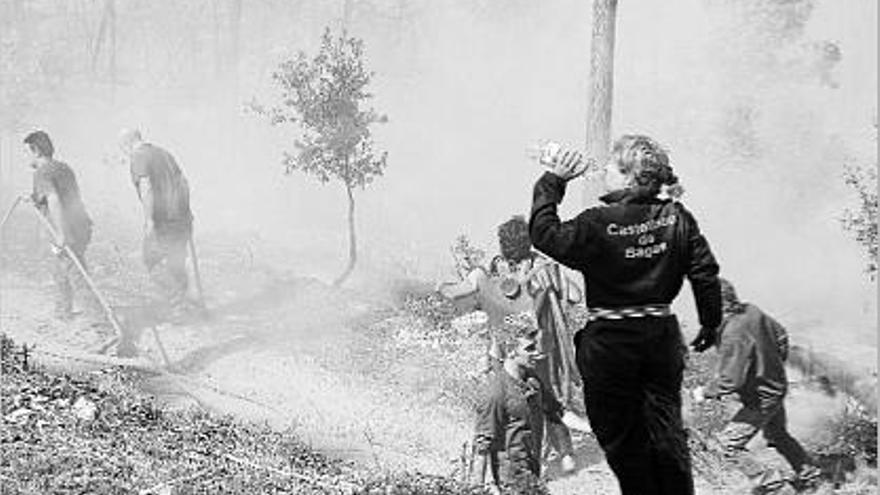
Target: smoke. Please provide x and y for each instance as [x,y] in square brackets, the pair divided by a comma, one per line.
[758,113]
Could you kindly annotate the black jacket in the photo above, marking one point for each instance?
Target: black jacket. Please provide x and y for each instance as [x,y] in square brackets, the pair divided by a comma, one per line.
[634,250]
[752,351]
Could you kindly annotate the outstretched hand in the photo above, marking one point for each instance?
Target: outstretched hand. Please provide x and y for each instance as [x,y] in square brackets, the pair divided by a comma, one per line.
[705,339]
[569,165]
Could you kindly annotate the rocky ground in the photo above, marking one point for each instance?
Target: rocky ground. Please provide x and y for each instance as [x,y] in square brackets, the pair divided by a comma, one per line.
[359,374]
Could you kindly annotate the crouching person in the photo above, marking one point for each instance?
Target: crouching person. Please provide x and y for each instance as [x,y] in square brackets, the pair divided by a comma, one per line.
[512,415]
[752,349]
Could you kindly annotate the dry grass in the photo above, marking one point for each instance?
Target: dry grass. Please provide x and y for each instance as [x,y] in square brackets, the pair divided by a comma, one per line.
[132,445]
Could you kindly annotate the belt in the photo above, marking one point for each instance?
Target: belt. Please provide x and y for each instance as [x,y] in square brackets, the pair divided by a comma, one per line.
[625,312]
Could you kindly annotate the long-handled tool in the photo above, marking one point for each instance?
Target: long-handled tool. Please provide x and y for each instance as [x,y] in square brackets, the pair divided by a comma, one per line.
[196,274]
[111,316]
[565,349]
[9,212]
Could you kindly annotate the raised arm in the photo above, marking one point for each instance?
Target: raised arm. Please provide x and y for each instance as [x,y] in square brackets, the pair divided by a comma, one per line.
[463,288]
[565,242]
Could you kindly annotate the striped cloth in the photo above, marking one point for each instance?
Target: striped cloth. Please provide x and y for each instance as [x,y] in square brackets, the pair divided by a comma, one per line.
[628,312]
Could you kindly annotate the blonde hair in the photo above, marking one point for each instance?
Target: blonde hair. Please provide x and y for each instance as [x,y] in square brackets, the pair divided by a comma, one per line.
[643,159]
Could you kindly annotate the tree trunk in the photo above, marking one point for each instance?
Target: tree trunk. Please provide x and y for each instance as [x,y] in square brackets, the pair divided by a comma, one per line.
[3,185]
[601,85]
[218,45]
[347,9]
[352,241]
[111,11]
[99,39]
[235,38]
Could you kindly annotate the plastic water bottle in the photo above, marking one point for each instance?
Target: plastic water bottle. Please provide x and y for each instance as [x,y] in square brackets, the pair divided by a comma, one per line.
[545,152]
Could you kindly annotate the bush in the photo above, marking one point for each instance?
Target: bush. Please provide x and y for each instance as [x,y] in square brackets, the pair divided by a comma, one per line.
[437,311]
[131,444]
[417,484]
[862,222]
[852,434]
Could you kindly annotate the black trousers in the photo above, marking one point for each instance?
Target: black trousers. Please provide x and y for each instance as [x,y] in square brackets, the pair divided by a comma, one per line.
[748,421]
[632,373]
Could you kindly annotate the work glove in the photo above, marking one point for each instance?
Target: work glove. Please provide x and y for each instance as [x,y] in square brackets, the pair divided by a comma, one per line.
[698,394]
[705,339]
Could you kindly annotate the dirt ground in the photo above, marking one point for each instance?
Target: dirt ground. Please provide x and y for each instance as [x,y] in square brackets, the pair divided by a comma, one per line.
[281,348]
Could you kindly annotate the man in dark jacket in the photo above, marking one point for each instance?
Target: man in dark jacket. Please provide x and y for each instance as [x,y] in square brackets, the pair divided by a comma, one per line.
[56,194]
[512,416]
[164,194]
[634,253]
[752,351]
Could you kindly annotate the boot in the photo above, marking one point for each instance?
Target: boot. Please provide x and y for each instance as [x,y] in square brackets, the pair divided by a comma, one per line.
[807,477]
[772,482]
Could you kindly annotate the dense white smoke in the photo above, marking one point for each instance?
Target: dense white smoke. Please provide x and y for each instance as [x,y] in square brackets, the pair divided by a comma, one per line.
[757,112]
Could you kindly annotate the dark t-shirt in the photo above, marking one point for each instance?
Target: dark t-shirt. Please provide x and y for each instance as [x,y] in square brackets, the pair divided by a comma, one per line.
[171,211]
[58,178]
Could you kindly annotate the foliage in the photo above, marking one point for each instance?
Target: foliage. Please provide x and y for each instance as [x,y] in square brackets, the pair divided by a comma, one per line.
[862,222]
[437,311]
[21,84]
[407,484]
[853,434]
[467,256]
[846,450]
[450,348]
[322,96]
[133,445]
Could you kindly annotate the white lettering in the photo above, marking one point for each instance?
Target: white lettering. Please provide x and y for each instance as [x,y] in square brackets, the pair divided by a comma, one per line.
[642,228]
[645,251]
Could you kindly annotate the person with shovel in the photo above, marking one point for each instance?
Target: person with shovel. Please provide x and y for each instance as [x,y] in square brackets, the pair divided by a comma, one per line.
[56,195]
[512,416]
[526,289]
[168,222]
